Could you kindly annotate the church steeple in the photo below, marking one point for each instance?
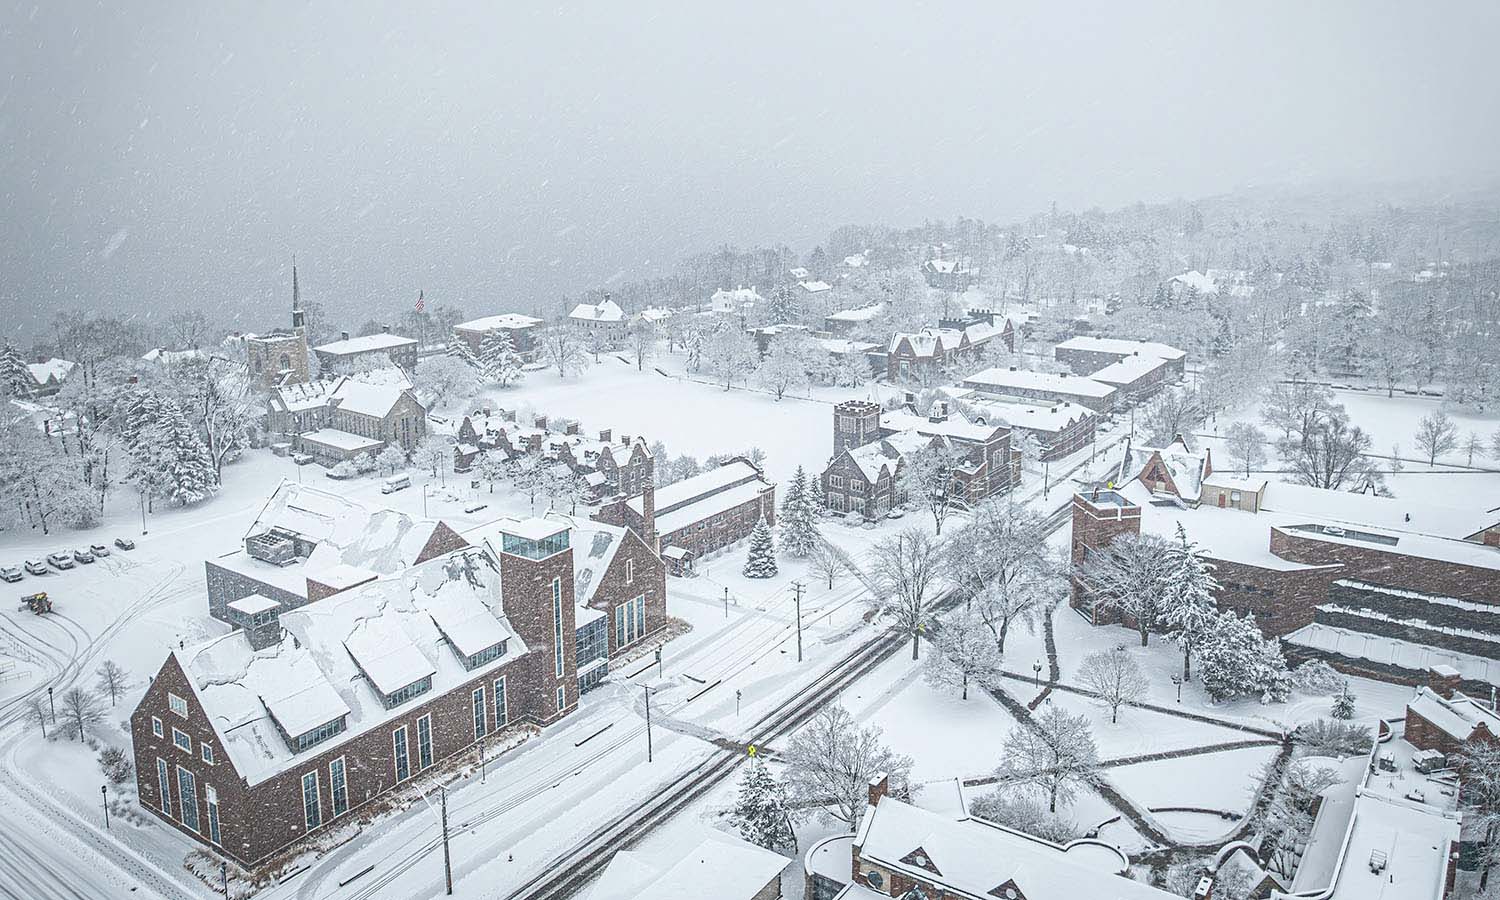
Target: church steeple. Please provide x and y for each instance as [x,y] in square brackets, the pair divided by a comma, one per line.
[299,319]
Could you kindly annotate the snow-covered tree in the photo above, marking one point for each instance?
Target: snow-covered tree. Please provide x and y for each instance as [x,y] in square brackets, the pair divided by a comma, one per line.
[1343,704]
[1188,608]
[79,710]
[1053,756]
[1236,660]
[435,453]
[1246,445]
[761,813]
[925,480]
[830,762]
[905,566]
[1473,445]
[782,306]
[1479,767]
[1436,435]
[1173,413]
[786,366]
[798,522]
[1295,407]
[1000,566]
[761,560]
[643,335]
[1115,677]
[826,562]
[444,380]
[460,350]
[498,358]
[492,467]
[817,501]
[1287,819]
[964,652]
[849,370]
[527,477]
[112,680]
[1330,453]
[15,378]
[184,461]
[390,460]
[39,485]
[1130,575]
[560,348]
[1024,814]
[729,355]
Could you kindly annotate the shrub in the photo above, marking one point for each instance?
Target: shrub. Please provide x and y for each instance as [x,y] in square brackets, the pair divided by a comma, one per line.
[1329,737]
[1317,677]
[116,765]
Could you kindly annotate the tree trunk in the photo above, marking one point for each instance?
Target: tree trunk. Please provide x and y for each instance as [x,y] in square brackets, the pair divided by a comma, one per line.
[1114,714]
[965,694]
[915,636]
[1187,669]
[1004,630]
[1145,636]
[1052,807]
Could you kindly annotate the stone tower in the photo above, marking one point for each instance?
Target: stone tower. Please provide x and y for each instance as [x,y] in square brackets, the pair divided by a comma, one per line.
[855,423]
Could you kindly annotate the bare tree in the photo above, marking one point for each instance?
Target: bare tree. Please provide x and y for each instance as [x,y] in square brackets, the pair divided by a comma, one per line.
[80,709]
[113,680]
[1292,408]
[906,566]
[36,713]
[1330,454]
[830,763]
[965,652]
[560,348]
[1246,444]
[1479,762]
[1053,755]
[1130,575]
[926,480]
[1473,446]
[826,563]
[1436,435]
[1116,677]
[1173,414]
[643,334]
[1000,564]
[730,355]
[186,328]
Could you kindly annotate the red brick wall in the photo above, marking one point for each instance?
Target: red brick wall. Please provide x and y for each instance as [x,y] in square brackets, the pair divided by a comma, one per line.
[1392,569]
[1094,526]
[650,580]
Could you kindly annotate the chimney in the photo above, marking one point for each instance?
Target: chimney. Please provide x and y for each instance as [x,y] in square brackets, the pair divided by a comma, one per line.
[343,335]
[1205,889]
[648,503]
[385,329]
[605,436]
[624,440]
[571,428]
[939,411]
[880,785]
[540,422]
[1443,681]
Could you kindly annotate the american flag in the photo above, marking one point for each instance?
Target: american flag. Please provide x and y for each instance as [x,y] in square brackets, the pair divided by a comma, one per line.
[421,304]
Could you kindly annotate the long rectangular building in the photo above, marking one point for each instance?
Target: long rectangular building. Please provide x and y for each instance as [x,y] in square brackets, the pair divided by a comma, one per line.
[1096,396]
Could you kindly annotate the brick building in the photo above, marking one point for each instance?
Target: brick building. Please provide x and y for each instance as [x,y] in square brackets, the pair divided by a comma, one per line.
[933,354]
[1086,354]
[1060,427]
[948,274]
[1442,718]
[366,418]
[249,751]
[382,349]
[1045,386]
[870,447]
[522,331]
[280,357]
[701,514]
[1378,586]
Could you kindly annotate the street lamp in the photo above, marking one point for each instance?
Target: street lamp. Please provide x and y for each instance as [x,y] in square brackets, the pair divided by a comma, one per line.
[1036,671]
[1177,680]
[104,792]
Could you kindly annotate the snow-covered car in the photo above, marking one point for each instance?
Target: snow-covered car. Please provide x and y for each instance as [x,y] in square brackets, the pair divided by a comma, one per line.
[36,566]
[61,560]
[83,556]
[895,513]
[11,574]
[125,543]
[99,549]
[302,459]
[475,507]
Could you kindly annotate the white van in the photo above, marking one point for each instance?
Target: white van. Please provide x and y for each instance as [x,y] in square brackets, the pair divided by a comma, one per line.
[395,483]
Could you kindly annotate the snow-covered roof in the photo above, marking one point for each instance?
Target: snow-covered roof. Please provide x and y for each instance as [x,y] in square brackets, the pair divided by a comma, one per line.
[1227,534]
[1122,347]
[311,677]
[840,346]
[929,341]
[1185,467]
[305,395]
[606,310]
[998,379]
[815,286]
[509,321]
[1394,651]
[798,273]
[533,528]
[732,300]
[375,400]
[1457,717]
[1394,513]
[594,546]
[341,440]
[368,343]
[699,510]
[54,369]
[855,261]
[1234,483]
[953,426]
[1127,371]
[342,576]
[688,490]
[946,266]
[170,357]
[657,313]
[1198,280]
[976,858]
[736,869]
[1033,416]
[253,604]
[861,314]
[884,455]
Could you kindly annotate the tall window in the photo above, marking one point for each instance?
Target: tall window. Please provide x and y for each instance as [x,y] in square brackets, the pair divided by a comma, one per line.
[630,621]
[562,698]
[178,705]
[156,727]
[402,758]
[502,714]
[424,742]
[640,615]
[557,626]
[338,786]
[164,784]
[211,798]
[621,621]
[312,807]
[629,571]
[187,797]
[479,712]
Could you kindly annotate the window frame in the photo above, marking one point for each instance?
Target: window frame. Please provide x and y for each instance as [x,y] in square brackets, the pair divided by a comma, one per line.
[401,753]
[312,814]
[164,784]
[424,743]
[338,786]
[502,704]
[558,654]
[479,712]
[183,793]
[211,800]
[206,752]
[174,701]
[562,698]
[629,571]
[157,729]
[179,733]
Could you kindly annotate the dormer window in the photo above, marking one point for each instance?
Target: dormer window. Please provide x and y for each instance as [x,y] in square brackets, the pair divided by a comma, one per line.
[488,654]
[401,695]
[318,735]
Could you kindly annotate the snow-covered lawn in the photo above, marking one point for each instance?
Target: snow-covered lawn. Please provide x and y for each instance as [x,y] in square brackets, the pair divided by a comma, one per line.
[1223,781]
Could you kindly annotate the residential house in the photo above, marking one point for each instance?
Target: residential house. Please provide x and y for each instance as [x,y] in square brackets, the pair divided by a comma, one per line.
[848,321]
[599,322]
[948,274]
[48,375]
[737,302]
[522,331]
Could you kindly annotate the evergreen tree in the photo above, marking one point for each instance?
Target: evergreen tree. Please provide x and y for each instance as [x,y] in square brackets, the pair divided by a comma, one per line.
[783,305]
[498,357]
[799,530]
[1187,606]
[189,469]
[15,378]
[761,563]
[460,351]
[818,503]
[1343,704]
[761,814]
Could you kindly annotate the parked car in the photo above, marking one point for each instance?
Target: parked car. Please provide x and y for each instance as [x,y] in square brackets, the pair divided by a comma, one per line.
[302,459]
[60,559]
[11,574]
[475,507]
[125,543]
[99,549]
[36,566]
[83,556]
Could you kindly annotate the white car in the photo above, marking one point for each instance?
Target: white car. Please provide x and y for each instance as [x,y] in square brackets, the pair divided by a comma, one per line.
[36,566]
[61,559]
[11,574]
[99,549]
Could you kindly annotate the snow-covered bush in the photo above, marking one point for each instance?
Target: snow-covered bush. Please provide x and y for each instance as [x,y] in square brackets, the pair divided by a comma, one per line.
[1317,677]
[116,765]
[1024,814]
[343,470]
[1330,737]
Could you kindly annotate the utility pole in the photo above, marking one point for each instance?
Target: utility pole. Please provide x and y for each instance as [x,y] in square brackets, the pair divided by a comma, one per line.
[797,586]
[726,602]
[104,792]
[647,689]
[736,703]
[447,861]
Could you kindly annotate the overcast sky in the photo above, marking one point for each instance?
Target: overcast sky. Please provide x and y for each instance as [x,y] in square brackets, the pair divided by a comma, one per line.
[163,154]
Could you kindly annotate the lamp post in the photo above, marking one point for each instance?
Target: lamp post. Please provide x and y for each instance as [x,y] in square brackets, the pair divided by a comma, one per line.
[484,763]
[647,689]
[104,793]
[736,703]
[51,705]
[1177,680]
[424,501]
[1036,671]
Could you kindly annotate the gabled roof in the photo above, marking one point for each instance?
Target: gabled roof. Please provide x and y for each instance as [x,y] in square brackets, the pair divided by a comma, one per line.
[861,314]
[253,697]
[53,369]
[306,395]
[1457,717]
[815,286]
[369,343]
[375,400]
[594,547]
[883,457]
[1121,347]
[509,321]
[928,342]
[606,310]
[1186,468]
